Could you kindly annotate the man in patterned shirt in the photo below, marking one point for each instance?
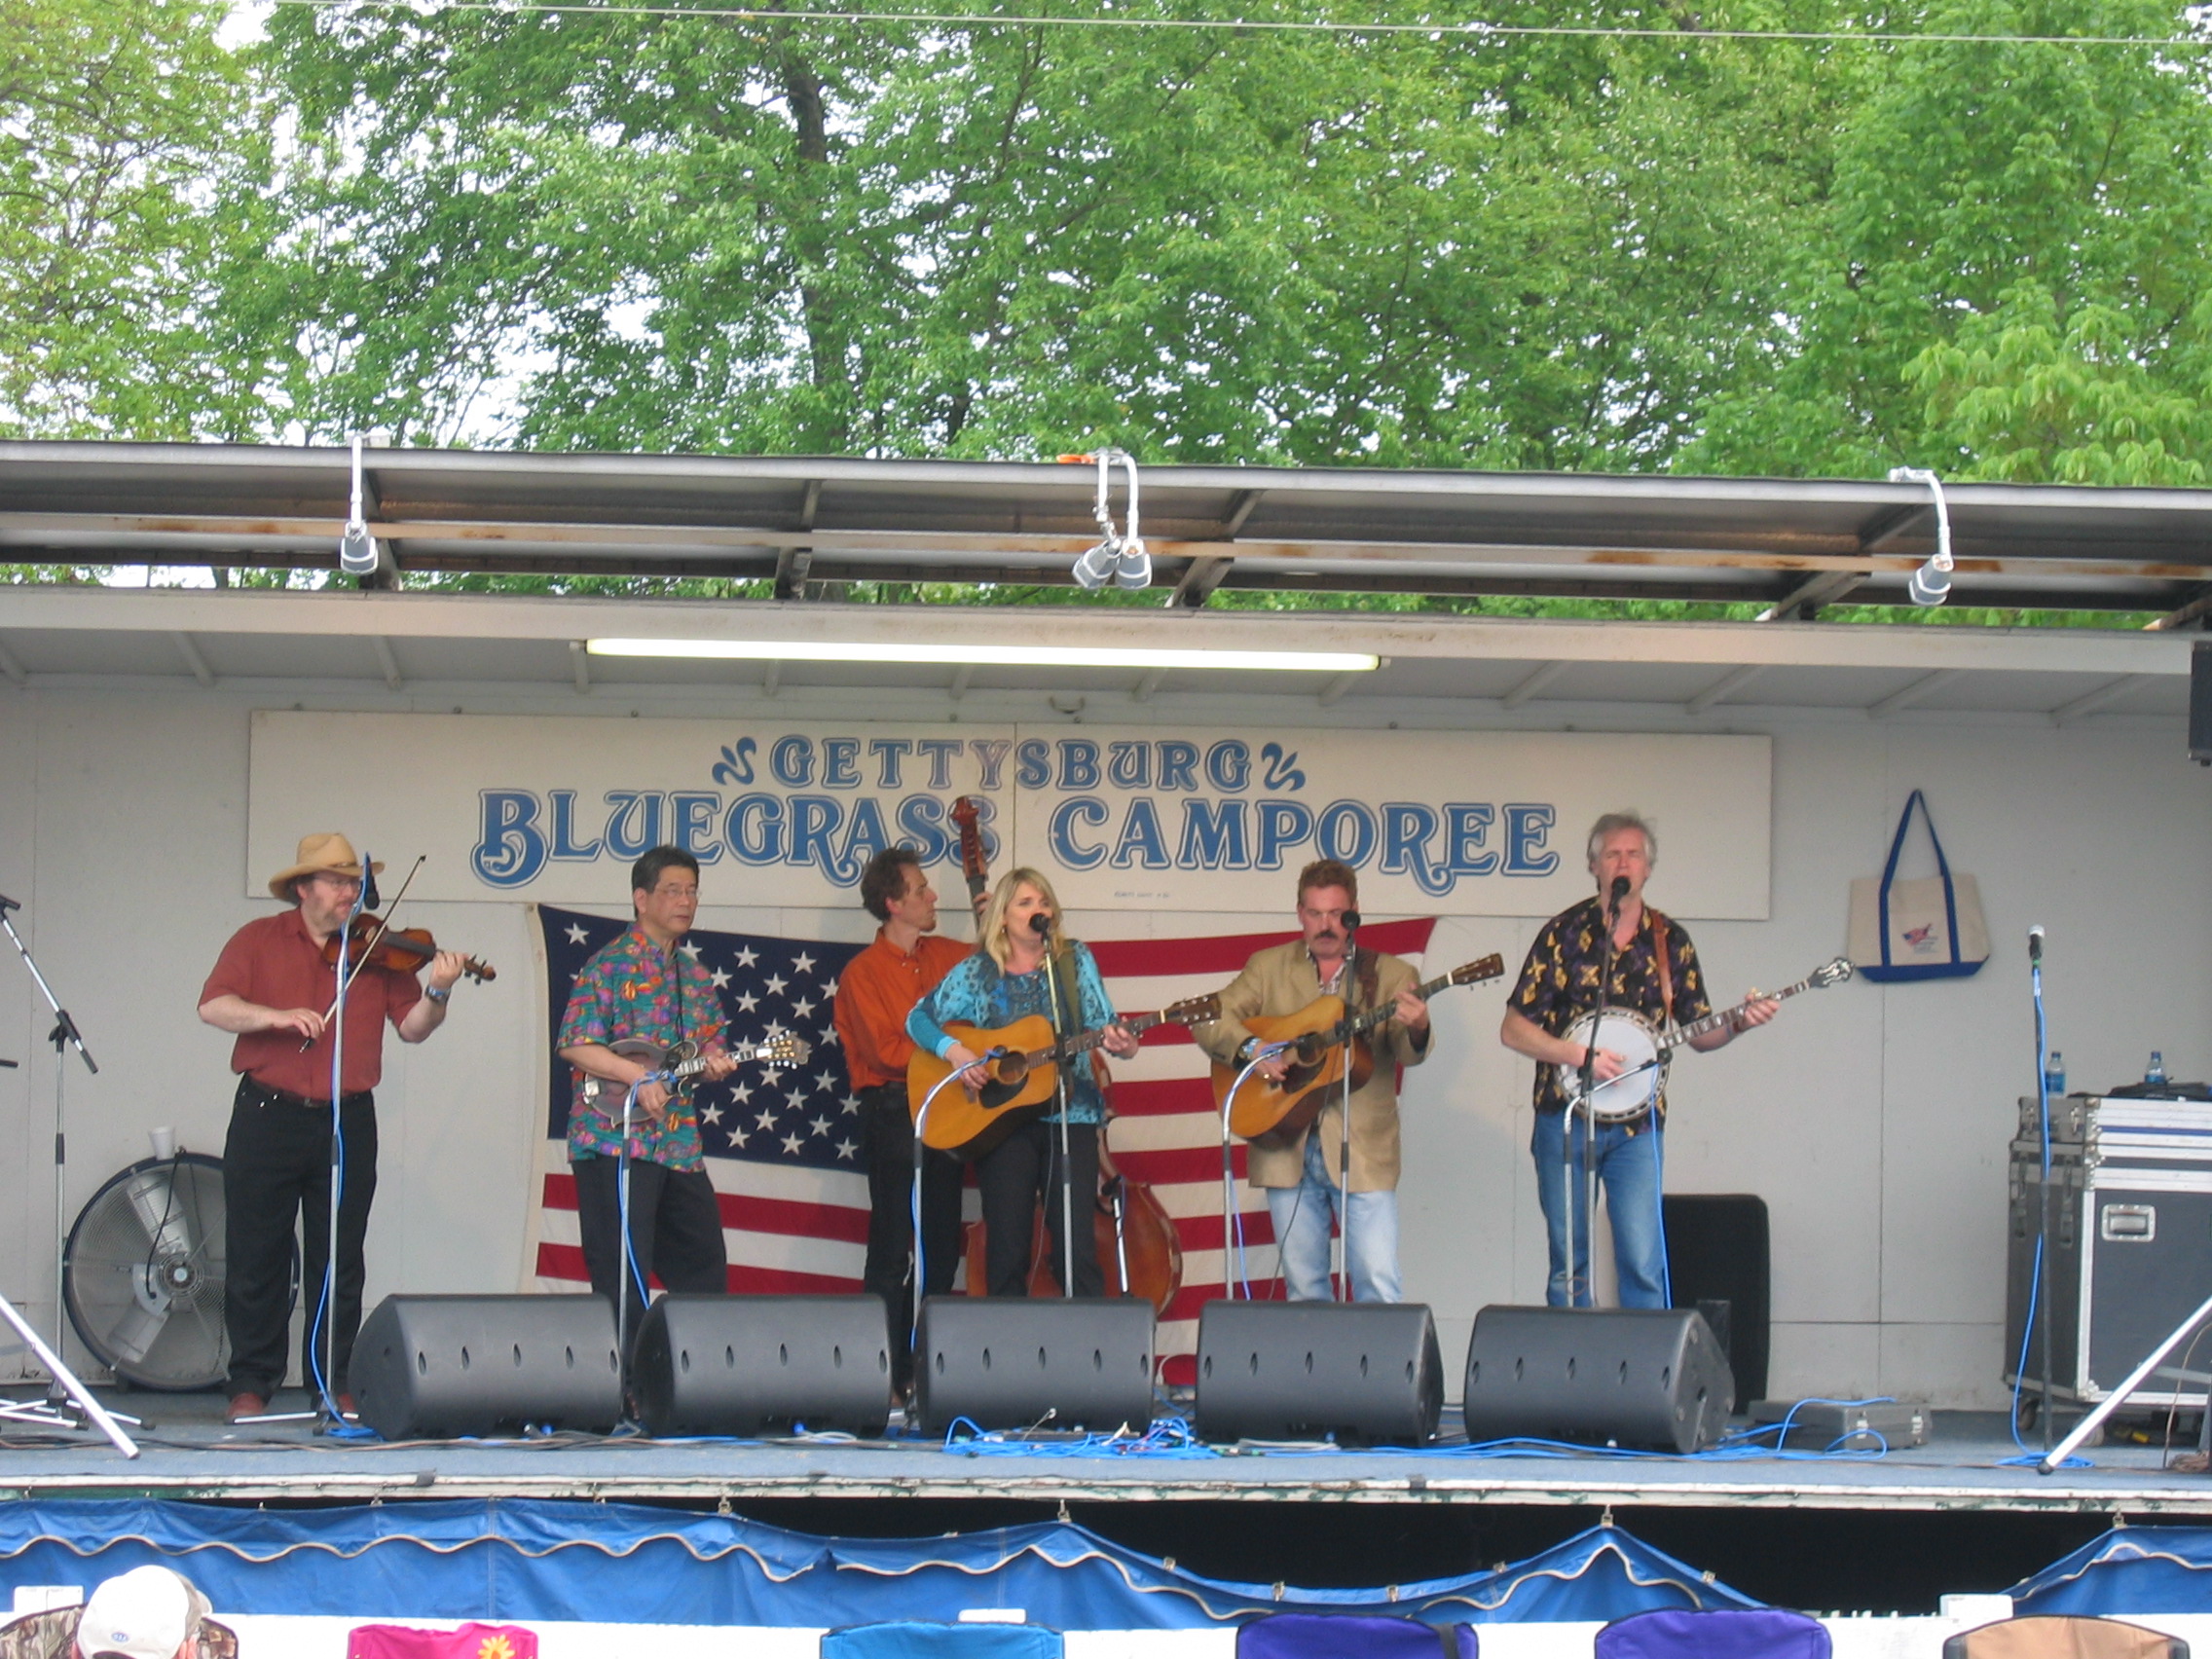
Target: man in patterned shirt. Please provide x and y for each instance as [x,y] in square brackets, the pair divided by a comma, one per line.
[1655,974]
[641,985]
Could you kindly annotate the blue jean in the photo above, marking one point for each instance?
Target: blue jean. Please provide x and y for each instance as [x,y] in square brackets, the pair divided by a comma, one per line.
[1627,1163]
[1303,1215]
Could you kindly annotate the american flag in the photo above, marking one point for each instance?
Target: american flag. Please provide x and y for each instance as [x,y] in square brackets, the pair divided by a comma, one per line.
[784,1146]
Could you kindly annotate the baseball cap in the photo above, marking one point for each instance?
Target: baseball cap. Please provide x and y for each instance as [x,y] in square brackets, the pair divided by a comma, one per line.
[145,1613]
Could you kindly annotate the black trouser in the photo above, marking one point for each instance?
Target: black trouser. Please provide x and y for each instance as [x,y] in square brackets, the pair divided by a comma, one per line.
[276,1178]
[675,1231]
[1014,1175]
[890,1268]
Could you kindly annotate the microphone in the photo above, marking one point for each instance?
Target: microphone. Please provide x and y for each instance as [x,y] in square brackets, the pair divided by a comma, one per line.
[1040,924]
[2035,942]
[369,899]
[1619,892]
[1351,919]
[7,903]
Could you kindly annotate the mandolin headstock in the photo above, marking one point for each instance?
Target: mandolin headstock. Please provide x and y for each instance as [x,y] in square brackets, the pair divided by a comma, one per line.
[784,1051]
[1830,974]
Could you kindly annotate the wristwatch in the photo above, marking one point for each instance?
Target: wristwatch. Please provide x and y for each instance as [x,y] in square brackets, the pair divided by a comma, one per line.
[436,995]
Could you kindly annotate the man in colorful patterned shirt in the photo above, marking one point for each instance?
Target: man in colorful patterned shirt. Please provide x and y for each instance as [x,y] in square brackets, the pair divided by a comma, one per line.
[642,986]
[1654,974]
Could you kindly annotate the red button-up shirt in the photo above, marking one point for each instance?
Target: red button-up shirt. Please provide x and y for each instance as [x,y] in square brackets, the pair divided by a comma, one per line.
[276,962]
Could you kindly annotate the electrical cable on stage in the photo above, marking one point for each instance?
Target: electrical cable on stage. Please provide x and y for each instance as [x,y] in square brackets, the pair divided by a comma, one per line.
[1165,1437]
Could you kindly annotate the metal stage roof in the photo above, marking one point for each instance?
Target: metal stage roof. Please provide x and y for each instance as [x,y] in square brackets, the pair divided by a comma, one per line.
[807,522]
[810,519]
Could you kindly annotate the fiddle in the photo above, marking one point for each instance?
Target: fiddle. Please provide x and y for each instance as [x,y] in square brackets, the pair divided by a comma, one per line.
[404,950]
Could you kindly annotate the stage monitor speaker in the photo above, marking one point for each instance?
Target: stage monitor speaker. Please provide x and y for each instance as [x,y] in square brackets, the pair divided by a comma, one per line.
[2200,704]
[746,1365]
[1633,1376]
[1048,1362]
[1717,1251]
[442,1366]
[1363,1370]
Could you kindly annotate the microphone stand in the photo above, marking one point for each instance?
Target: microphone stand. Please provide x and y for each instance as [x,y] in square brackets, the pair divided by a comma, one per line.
[65,1384]
[64,1034]
[329,1389]
[1344,1139]
[915,1201]
[1065,1093]
[1587,1278]
[1230,1228]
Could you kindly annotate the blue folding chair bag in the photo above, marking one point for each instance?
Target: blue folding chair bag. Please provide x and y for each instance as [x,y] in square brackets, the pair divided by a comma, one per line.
[1721,1633]
[1352,1636]
[918,1639]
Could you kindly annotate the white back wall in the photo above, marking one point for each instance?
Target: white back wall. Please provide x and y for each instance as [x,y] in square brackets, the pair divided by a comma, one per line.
[1872,1119]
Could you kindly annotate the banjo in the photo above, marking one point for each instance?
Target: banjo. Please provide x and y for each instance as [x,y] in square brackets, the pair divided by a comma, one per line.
[1648,1048]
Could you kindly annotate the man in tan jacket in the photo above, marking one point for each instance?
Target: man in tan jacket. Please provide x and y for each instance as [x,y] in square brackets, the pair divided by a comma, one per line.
[1298,1171]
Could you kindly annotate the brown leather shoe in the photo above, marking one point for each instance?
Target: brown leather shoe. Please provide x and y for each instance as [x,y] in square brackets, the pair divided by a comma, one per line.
[246,1405]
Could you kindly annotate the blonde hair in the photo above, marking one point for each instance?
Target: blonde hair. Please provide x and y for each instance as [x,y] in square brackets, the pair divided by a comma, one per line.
[990,931]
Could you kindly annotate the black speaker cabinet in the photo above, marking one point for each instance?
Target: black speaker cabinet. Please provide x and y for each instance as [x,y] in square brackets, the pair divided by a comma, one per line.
[1717,1251]
[2200,705]
[1364,1371]
[1046,1362]
[441,1366]
[1633,1376]
[752,1364]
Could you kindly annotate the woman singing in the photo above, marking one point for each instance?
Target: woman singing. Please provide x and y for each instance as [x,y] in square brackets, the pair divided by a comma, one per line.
[1007,979]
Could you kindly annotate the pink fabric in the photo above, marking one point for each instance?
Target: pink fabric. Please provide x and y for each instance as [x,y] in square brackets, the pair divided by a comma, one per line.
[469,1642]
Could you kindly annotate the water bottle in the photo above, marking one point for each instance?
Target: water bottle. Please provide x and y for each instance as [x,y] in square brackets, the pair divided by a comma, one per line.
[2054,1075]
[2156,1072]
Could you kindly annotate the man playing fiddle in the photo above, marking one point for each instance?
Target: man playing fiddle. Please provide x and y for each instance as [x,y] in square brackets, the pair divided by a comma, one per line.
[273,989]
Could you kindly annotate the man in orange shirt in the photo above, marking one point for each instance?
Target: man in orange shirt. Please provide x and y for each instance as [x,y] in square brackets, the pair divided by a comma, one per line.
[878,988]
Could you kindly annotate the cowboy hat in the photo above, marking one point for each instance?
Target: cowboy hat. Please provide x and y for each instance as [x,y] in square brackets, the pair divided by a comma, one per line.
[329,850]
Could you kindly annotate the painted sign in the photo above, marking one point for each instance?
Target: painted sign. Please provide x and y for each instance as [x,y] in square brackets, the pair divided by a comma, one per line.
[1186,819]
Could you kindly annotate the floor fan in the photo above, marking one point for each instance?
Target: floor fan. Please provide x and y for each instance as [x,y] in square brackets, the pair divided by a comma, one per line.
[142,1273]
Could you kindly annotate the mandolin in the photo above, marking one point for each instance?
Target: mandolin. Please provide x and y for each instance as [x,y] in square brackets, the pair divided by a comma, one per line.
[1024,1060]
[681,1061]
[1324,1036]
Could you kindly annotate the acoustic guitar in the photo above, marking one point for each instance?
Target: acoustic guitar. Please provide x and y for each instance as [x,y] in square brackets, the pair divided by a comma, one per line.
[1023,1061]
[1325,1040]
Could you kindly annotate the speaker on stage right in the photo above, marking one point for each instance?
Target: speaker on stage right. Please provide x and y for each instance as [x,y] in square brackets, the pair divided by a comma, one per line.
[1631,1376]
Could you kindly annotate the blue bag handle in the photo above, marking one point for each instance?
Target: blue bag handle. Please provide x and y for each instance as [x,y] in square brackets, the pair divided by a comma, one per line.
[1943,865]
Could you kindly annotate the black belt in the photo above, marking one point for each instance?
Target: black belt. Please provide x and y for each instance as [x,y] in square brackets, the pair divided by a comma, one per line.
[261,1093]
[1640,1124]
[884,1095]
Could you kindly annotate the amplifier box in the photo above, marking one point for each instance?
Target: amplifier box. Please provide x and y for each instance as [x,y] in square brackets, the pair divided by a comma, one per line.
[1818,1426]
[2130,1257]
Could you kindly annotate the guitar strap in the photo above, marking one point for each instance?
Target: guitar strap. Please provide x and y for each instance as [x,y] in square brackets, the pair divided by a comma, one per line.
[1659,927]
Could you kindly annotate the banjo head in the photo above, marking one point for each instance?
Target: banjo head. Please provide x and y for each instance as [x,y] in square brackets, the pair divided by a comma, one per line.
[1635,1039]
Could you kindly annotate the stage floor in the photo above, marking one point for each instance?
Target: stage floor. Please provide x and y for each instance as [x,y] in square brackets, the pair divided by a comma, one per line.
[188,1452]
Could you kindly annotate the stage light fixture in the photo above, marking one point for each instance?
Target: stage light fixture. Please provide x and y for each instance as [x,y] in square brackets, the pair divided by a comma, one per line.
[357,547]
[1118,557]
[988,655]
[1930,584]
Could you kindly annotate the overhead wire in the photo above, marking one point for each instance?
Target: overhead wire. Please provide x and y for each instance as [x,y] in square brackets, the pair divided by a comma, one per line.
[1473,29]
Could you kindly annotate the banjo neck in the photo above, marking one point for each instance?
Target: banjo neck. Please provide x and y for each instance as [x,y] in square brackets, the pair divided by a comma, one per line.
[1675,1036]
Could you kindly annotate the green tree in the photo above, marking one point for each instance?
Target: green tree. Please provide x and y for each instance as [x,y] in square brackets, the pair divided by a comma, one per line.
[2010,273]
[121,125]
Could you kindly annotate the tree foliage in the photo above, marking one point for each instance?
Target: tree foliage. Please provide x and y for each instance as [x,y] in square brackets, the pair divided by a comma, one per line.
[122,126]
